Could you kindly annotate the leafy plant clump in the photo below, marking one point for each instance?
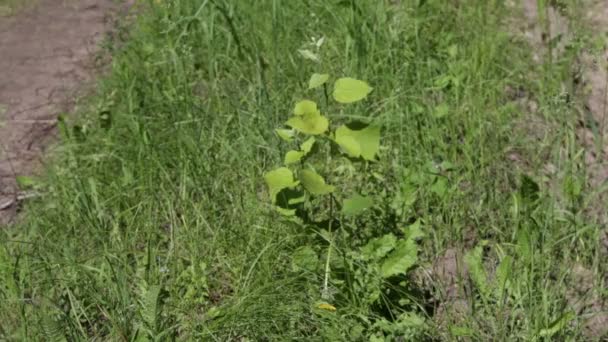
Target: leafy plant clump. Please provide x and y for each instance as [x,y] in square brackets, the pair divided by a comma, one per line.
[326,186]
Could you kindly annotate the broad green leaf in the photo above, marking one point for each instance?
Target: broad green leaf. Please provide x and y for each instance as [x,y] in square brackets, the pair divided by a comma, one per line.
[285,212]
[150,303]
[474,261]
[349,145]
[314,183]
[306,146]
[348,90]
[529,190]
[414,231]
[304,259]
[367,139]
[25,182]
[309,124]
[503,273]
[296,200]
[377,248]
[356,205]
[306,107]
[317,80]
[409,320]
[309,55]
[279,179]
[461,331]
[292,157]
[557,325]
[441,111]
[440,187]
[285,134]
[400,259]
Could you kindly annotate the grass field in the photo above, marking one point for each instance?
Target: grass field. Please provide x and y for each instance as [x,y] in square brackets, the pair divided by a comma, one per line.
[10,7]
[156,223]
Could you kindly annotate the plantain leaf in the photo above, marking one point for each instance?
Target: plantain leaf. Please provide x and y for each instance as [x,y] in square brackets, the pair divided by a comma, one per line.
[400,259]
[356,205]
[503,274]
[378,248]
[316,80]
[348,90]
[279,179]
[292,157]
[474,261]
[365,141]
[314,183]
[304,259]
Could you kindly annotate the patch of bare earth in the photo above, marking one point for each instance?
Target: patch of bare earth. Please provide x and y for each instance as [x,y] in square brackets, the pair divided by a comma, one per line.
[592,134]
[46,58]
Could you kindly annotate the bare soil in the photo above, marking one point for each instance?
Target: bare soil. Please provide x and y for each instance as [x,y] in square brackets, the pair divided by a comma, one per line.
[46,59]
[593,93]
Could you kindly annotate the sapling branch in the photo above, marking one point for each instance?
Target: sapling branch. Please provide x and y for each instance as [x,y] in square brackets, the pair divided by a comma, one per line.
[325,293]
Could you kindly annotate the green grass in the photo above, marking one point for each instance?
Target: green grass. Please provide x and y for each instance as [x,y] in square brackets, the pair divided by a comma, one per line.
[10,7]
[155,222]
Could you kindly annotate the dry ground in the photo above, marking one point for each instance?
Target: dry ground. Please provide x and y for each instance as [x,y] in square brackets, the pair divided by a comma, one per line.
[45,59]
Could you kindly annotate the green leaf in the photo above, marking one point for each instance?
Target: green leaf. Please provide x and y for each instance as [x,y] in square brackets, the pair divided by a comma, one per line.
[308,119]
[557,325]
[503,273]
[309,55]
[292,157]
[25,182]
[349,145]
[285,134]
[149,301]
[348,90]
[414,231]
[356,205]
[409,320]
[474,261]
[377,248]
[317,80]
[304,259]
[441,111]
[296,200]
[400,259]
[461,331]
[314,183]
[306,146]
[367,140]
[309,124]
[306,107]
[440,187]
[286,212]
[529,190]
[279,179]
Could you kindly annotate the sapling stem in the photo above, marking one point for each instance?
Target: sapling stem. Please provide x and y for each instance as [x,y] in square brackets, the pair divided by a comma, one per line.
[325,293]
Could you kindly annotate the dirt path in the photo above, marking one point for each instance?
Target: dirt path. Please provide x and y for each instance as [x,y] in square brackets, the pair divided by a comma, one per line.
[45,58]
[593,136]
